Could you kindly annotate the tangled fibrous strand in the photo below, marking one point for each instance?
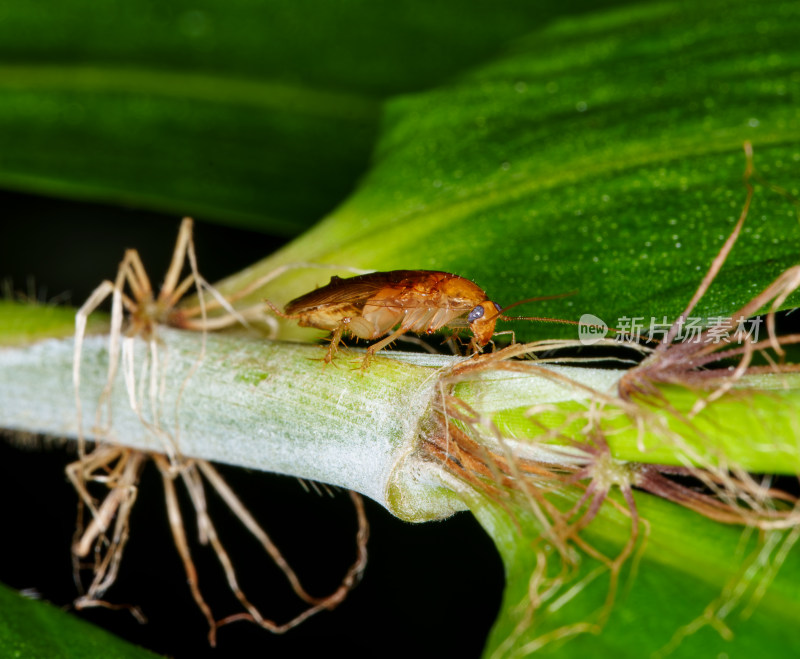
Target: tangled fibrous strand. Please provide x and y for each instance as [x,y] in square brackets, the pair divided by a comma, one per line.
[136,312]
[538,473]
[471,447]
[686,363]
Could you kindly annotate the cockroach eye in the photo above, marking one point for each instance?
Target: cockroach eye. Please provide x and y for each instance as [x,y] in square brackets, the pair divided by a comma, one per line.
[476,313]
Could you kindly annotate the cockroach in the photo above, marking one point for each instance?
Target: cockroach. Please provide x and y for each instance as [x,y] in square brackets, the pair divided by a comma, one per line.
[379,303]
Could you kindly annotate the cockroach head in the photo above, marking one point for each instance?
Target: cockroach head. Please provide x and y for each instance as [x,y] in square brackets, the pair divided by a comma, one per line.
[482,319]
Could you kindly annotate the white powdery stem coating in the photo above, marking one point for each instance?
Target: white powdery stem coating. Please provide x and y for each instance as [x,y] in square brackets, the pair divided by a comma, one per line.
[253,403]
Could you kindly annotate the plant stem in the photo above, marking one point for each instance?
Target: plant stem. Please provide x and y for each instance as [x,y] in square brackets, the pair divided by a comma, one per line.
[275,407]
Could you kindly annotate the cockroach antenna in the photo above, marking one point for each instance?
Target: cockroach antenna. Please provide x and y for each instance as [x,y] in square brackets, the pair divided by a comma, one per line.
[543,319]
[501,310]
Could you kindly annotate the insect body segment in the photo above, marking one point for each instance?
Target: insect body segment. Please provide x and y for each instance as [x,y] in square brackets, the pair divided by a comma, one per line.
[373,305]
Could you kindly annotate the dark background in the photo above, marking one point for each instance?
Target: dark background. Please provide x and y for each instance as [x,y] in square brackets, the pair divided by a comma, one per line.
[429,589]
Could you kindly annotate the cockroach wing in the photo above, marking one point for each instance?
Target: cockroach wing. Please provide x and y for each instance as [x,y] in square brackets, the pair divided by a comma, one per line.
[353,290]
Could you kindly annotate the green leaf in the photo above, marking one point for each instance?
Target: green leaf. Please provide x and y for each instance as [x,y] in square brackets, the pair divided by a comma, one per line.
[689,568]
[182,142]
[22,323]
[30,628]
[601,154]
[753,428]
[261,114]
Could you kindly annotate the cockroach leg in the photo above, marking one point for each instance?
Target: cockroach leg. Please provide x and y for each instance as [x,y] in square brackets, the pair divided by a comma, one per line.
[380,345]
[453,341]
[333,348]
[511,332]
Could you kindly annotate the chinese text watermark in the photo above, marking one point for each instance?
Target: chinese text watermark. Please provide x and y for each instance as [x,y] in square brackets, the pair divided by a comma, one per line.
[718,329]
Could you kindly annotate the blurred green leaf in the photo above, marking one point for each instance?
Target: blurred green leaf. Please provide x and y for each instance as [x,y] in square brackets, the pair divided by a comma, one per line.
[183,143]
[22,323]
[259,113]
[30,628]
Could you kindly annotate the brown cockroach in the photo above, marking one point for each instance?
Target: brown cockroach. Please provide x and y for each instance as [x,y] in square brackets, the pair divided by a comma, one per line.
[418,301]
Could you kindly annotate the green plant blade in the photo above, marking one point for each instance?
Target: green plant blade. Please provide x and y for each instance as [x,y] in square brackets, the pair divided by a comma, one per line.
[754,427]
[26,323]
[30,628]
[259,114]
[602,154]
[690,568]
[182,142]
